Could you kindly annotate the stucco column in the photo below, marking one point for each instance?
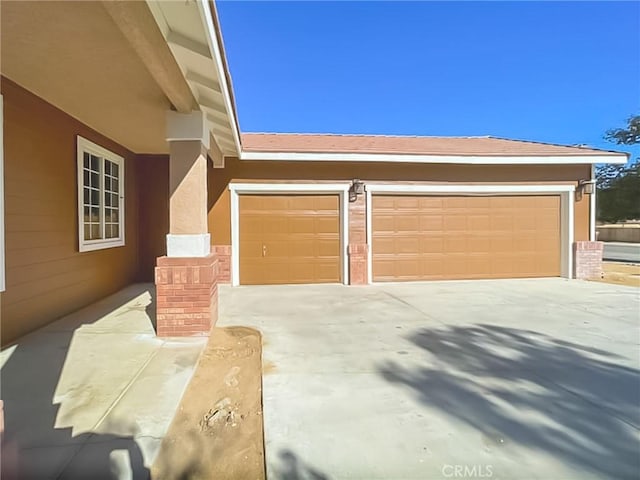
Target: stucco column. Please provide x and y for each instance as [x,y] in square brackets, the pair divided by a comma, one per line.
[186,279]
[188,139]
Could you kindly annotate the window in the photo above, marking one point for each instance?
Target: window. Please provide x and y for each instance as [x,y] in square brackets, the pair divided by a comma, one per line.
[100,197]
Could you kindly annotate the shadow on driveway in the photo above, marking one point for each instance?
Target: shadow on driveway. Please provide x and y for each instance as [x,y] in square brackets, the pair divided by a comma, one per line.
[572,402]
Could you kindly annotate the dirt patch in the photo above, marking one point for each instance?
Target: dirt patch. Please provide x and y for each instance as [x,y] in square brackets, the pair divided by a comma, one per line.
[620,274]
[217,431]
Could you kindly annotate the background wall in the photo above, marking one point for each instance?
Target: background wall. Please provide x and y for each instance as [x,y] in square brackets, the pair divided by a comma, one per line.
[46,276]
[236,170]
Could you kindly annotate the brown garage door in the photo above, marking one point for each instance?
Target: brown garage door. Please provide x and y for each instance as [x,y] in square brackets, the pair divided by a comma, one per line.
[289,239]
[457,237]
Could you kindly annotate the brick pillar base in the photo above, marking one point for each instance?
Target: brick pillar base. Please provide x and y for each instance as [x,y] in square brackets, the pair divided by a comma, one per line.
[358,259]
[587,260]
[223,254]
[186,296]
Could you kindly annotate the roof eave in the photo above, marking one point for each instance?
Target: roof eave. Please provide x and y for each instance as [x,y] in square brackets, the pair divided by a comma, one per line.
[255,155]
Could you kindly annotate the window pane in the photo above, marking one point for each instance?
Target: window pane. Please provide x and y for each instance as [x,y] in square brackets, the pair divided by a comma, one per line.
[95,214]
[95,163]
[107,230]
[115,231]
[107,183]
[114,185]
[107,167]
[95,180]
[86,195]
[95,197]
[114,170]
[107,199]
[86,160]
[95,231]
[87,231]
[86,178]
[86,214]
[114,216]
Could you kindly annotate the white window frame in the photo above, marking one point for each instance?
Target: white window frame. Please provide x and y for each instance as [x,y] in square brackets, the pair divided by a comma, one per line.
[84,145]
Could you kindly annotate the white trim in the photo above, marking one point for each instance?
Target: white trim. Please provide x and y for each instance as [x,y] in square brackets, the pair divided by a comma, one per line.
[212,39]
[187,126]
[592,207]
[459,159]
[450,188]
[278,188]
[2,252]
[566,193]
[188,245]
[83,145]
[369,195]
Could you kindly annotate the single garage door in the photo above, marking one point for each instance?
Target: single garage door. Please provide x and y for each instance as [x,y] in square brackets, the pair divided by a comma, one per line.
[459,237]
[289,239]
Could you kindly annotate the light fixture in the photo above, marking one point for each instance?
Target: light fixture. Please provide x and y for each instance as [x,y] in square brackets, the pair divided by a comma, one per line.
[357,188]
[587,186]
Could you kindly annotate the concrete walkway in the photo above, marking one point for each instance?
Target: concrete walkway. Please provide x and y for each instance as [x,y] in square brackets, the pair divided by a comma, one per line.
[92,395]
[510,379]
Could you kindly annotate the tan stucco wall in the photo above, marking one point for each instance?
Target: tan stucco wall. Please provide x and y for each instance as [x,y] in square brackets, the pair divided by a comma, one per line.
[235,170]
[46,276]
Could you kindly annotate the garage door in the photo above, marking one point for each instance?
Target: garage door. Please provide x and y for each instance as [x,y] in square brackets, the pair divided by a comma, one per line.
[289,239]
[458,237]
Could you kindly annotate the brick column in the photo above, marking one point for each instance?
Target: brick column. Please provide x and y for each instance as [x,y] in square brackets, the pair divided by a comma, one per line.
[587,260]
[186,296]
[223,254]
[186,279]
[358,258]
[358,249]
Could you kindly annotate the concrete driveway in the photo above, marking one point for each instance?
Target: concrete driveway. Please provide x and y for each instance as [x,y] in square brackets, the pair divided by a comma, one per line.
[478,379]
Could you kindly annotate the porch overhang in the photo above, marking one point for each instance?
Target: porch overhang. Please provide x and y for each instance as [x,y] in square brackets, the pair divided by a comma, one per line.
[192,32]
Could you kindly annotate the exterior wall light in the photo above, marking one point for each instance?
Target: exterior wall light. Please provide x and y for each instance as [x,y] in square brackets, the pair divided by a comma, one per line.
[587,186]
[357,188]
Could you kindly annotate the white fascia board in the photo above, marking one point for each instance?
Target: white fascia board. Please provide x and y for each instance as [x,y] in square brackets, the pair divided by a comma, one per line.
[289,187]
[459,159]
[216,50]
[470,189]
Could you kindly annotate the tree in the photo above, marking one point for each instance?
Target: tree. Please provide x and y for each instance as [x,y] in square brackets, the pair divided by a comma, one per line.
[619,185]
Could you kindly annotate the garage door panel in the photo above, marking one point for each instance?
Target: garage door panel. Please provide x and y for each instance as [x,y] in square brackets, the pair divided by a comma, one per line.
[289,239]
[386,223]
[465,237]
[407,224]
[328,224]
[430,203]
[433,223]
[454,245]
[455,222]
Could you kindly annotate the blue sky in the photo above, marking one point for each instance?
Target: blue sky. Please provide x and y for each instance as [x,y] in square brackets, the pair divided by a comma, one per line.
[548,71]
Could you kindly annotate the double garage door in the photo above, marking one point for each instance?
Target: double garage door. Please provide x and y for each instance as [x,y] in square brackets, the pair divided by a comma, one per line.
[296,238]
[459,237]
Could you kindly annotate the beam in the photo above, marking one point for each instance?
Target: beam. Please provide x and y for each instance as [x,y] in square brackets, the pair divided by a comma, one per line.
[135,21]
[221,132]
[201,80]
[211,104]
[181,41]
